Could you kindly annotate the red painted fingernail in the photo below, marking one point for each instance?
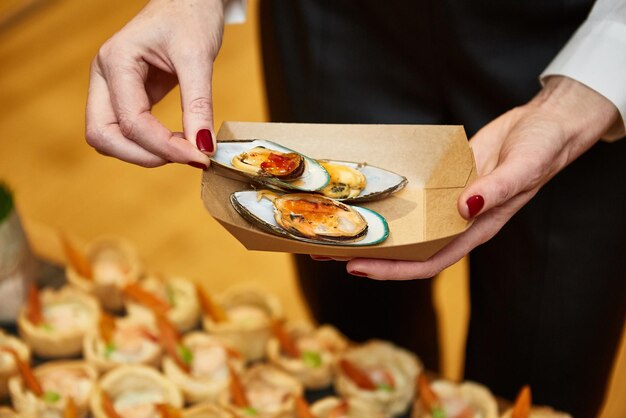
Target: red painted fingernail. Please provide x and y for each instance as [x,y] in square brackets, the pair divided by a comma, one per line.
[357,273]
[196,164]
[204,140]
[475,204]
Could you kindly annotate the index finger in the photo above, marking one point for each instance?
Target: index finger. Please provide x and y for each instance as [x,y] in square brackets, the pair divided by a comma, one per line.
[133,111]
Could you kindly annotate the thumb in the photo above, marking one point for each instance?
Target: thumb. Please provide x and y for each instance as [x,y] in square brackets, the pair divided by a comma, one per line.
[197,104]
[514,173]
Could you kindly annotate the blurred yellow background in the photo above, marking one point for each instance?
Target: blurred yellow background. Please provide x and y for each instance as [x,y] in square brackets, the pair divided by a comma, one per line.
[61,184]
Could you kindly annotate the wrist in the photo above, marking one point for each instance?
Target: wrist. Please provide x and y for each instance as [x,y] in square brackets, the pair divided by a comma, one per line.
[584,115]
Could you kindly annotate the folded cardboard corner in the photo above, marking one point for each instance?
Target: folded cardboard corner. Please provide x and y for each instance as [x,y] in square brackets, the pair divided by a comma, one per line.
[422,218]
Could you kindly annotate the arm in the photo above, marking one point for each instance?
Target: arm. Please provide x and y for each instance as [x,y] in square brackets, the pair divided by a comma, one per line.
[596,56]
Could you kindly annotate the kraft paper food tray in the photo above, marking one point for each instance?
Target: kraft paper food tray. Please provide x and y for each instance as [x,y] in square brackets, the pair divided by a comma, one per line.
[422,217]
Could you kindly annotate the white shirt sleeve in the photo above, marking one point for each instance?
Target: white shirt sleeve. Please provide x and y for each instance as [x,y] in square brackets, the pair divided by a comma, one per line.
[235,11]
[596,56]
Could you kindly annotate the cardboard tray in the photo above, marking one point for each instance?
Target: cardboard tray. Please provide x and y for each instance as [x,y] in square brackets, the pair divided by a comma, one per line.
[422,217]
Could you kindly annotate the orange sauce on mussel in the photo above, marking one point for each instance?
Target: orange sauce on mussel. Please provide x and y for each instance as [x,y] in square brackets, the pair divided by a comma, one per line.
[314,211]
[281,164]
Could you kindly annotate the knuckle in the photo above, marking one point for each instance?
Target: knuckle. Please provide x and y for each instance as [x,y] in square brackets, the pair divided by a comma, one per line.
[93,136]
[200,106]
[502,190]
[127,124]
[105,52]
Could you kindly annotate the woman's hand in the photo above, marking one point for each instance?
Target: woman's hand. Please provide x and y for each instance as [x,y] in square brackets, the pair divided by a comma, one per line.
[168,42]
[516,154]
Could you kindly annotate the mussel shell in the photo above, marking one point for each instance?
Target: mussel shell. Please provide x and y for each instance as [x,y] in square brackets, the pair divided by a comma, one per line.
[380,182]
[261,214]
[313,178]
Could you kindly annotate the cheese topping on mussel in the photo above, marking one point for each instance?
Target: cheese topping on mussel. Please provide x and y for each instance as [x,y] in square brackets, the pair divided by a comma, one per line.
[318,217]
[260,160]
[345,182]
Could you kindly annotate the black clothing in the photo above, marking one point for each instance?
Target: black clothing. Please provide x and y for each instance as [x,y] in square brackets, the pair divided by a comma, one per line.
[548,292]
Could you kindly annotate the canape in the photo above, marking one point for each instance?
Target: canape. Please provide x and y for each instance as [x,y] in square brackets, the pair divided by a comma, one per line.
[107,265]
[54,322]
[134,391]
[175,296]
[47,389]
[205,376]
[379,373]
[118,341]
[8,367]
[333,407]
[241,317]
[447,399]
[264,391]
[206,410]
[523,408]
[310,355]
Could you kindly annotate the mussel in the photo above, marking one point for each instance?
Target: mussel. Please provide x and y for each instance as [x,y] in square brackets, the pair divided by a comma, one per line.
[270,165]
[359,182]
[345,182]
[311,217]
[317,217]
[267,162]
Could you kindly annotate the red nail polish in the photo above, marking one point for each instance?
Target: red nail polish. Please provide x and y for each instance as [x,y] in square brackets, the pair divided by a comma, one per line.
[475,204]
[320,258]
[196,164]
[204,140]
[357,273]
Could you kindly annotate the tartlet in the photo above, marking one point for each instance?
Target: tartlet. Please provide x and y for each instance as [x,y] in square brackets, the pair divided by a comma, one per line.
[119,341]
[333,407]
[58,380]
[206,411]
[176,297]
[262,391]
[54,322]
[8,368]
[308,354]
[248,312]
[523,408]
[136,389]
[112,264]
[207,377]
[465,400]
[379,373]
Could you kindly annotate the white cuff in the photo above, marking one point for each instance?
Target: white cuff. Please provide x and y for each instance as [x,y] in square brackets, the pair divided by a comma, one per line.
[596,57]
[235,11]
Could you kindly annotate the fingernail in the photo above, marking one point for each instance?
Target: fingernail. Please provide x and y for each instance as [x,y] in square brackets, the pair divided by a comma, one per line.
[475,204]
[357,273]
[320,258]
[204,141]
[196,164]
